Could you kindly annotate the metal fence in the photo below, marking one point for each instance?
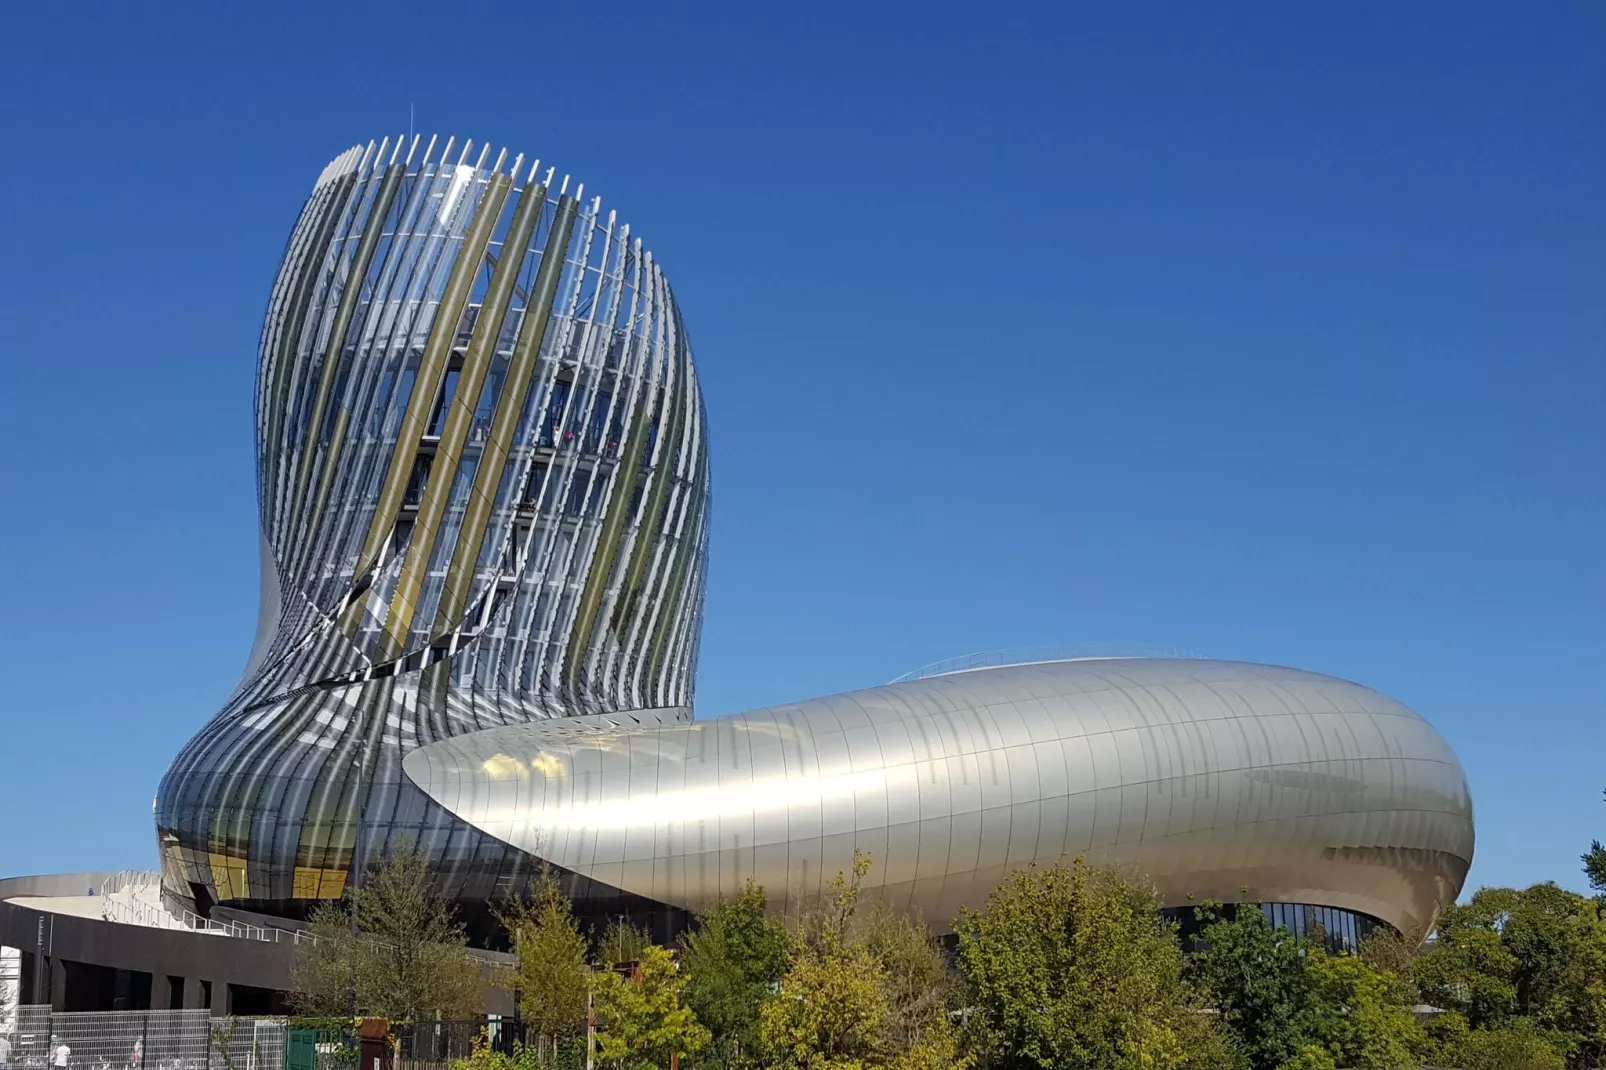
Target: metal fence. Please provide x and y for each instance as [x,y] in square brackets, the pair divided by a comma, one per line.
[433,1045]
[144,1040]
[194,1040]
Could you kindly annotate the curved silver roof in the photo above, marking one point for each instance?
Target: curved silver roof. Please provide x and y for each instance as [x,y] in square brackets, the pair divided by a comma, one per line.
[1221,780]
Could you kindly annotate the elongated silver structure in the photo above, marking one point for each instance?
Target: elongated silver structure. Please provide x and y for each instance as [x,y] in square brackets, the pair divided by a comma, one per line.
[483,482]
[1219,780]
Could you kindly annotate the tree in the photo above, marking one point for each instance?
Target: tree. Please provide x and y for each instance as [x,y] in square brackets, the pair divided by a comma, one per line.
[732,962]
[1310,1057]
[850,999]
[1361,1015]
[1254,973]
[916,983]
[1536,955]
[830,1008]
[550,972]
[408,959]
[641,1024]
[622,942]
[1385,949]
[1071,967]
[1515,1046]
[1595,867]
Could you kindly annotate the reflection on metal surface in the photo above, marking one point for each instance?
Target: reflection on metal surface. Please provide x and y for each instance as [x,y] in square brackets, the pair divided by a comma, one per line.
[1213,777]
[483,484]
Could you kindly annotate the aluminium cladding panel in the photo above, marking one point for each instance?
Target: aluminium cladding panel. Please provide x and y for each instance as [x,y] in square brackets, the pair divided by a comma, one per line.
[483,481]
[1210,776]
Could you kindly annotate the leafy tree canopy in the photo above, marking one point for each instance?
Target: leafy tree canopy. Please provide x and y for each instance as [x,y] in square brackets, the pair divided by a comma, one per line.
[408,959]
[1361,1015]
[865,989]
[1071,967]
[1254,973]
[1536,955]
[733,961]
[641,1024]
[550,973]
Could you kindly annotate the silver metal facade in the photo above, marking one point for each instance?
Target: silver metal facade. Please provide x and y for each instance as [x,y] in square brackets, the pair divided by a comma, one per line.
[1220,780]
[483,483]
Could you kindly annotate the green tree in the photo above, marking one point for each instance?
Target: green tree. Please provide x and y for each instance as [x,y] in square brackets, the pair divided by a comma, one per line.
[1254,974]
[732,961]
[1071,967]
[831,1006]
[850,999]
[621,942]
[915,979]
[1310,1057]
[1518,1045]
[641,1024]
[1360,1014]
[408,959]
[550,973]
[1595,867]
[1385,949]
[1538,954]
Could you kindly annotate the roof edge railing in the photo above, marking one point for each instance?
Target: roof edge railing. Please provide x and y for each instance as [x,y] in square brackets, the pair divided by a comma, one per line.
[1036,655]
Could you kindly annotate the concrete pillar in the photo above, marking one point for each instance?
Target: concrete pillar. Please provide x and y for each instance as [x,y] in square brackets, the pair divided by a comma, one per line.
[58,984]
[220,999]
[192,994]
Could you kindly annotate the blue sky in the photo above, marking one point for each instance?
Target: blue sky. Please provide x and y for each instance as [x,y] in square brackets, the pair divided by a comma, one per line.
[1270,332]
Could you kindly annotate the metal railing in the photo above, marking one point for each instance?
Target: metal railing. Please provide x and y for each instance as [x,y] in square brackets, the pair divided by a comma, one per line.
[1032,655]
[122,902]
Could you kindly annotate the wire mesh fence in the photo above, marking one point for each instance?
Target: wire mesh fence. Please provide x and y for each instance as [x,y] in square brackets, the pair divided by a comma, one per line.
[144,1040]
[193,1040]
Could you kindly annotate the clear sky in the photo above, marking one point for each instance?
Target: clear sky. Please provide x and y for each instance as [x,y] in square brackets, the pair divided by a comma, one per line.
[1270,332]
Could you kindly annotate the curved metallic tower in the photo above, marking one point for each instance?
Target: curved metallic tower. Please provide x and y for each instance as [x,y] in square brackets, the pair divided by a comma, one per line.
[483,486]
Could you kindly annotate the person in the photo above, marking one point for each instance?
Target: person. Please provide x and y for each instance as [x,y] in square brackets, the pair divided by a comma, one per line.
[133,1056]
[5,1050]
[59,1053]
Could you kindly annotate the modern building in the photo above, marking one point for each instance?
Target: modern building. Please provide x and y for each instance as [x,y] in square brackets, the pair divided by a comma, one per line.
[483,480]
[1219,780]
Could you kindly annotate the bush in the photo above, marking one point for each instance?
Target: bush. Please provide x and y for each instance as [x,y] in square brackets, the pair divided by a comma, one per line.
[1514,1047]
[1310,1057]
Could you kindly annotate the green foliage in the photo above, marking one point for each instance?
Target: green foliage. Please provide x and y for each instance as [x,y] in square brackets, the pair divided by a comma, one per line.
[1070,967]
[828,1014]
[1310,1057]
[732,962]
[830,1008]
[1536,955]
[915,981]
[409,958]
[621,942]
[864,990]
[1595,867]
[1360,1014]
[484,1057]
[641,1024]
[1387,950]
[550,973]
[1254,973]
[1515,1046]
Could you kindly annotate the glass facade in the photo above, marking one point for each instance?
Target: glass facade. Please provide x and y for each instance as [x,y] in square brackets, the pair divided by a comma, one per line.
[483,486]
[1341,930]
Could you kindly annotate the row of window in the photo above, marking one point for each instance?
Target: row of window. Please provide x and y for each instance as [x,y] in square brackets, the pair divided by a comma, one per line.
[1342,930]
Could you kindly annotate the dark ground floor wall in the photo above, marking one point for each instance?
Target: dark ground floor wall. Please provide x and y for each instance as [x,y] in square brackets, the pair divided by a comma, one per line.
[87,964]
